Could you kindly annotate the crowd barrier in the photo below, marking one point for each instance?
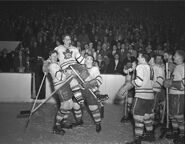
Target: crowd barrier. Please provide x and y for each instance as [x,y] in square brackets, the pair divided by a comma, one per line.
[17,87]
[111,84]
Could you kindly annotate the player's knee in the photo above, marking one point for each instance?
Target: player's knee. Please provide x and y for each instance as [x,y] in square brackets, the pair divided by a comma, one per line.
[146,116]
[93,107]
[76,105]
[67,104]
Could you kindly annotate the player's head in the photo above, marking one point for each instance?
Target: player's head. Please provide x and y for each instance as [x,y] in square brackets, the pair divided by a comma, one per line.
[143,57]
[168,55]
[89,59]
[152,59]
[67,40]
[53,55]
[158,59]
[134,63]
[179,56]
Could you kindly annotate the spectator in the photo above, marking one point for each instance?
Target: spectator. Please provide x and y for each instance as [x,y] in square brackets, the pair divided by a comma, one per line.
[5,64]
[115,66]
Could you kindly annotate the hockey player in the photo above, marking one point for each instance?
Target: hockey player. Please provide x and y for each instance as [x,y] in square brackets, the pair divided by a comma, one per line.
[69,55]
[176,97]
[168,58]
[64,94]
[130,75]
[144,99]
[92,82]
[159,77]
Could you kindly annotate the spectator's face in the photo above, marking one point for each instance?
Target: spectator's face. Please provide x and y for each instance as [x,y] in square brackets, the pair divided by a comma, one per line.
[114,48]
[67,40]
[98,47]
[104,46]
[35,44]
[99,57]
[90,45]
[122,46]
[116,57]
[128,55]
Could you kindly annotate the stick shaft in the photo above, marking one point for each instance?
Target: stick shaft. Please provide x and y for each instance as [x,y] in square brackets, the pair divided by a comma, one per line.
[126,101]
[82,80]
[39,91]
[167,99]
[50,96]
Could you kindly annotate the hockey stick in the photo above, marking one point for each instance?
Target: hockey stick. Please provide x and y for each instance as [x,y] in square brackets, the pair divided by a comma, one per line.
[49,97]
[167,99]
[126,101]
[166,107]
[26,113]
[82,81]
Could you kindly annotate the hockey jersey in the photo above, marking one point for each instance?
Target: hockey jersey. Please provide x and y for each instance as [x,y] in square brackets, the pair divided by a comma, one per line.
[57,76]
[68,56]
[178,75]
[94,75]
[159,76]
[144,82]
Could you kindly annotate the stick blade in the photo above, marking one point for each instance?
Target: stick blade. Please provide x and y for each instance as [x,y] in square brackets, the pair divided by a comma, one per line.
[24,114]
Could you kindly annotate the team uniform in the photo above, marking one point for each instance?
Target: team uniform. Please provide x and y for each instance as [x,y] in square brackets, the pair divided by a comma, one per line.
[130,94]
[159,77]
[70,56]
[94,81]
[64,94]
[176,100]
[144,99]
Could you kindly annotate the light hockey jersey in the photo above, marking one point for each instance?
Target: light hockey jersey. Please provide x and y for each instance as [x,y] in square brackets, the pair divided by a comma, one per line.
[68,56]
[57,76]
[178,75]
[144,82]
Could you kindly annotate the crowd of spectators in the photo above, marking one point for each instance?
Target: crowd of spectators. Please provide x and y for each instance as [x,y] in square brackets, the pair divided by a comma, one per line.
[112,32]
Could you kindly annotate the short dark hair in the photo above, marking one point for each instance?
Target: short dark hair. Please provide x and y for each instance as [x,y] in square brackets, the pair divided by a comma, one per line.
[145,55]
[63,37]
[90,56]
[169,52]
[53,51]
[181,53]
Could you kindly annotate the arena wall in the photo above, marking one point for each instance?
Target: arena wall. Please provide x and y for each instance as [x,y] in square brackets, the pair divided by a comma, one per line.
[16,87]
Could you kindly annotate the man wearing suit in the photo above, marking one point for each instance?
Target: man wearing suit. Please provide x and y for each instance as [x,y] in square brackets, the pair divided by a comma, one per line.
[115,65]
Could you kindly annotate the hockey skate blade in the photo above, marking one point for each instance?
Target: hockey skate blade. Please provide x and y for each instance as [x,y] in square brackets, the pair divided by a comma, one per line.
[24,114]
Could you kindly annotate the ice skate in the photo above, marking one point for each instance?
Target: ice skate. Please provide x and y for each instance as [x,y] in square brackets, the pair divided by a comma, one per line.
[58,130]
[98,128]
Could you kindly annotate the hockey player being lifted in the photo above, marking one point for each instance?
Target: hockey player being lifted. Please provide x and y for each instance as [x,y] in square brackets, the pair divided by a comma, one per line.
[69,55]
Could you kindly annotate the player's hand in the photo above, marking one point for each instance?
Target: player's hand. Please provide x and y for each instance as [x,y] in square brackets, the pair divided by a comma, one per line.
[86,85]
[167,83]
[45,67]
